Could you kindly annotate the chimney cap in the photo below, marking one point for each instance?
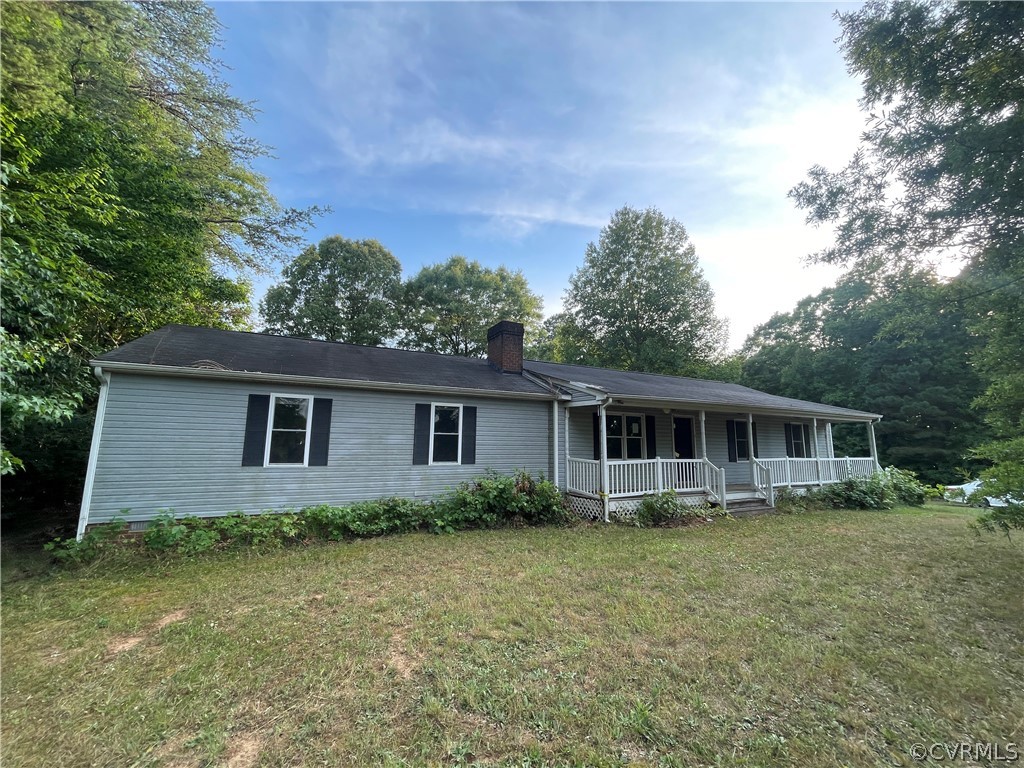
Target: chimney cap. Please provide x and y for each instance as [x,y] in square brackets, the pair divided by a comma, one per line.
[505,327]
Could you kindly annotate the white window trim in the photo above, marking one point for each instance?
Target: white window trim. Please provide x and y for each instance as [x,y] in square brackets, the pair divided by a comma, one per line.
[431,461]
[799,428]
[622,437]
[270,428]
[749,440]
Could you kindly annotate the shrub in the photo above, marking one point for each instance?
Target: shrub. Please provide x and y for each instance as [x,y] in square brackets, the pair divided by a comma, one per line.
[364,518]
[498,500]
[904,487]
[788,500]
[883,490]
[100,540]
[667,508]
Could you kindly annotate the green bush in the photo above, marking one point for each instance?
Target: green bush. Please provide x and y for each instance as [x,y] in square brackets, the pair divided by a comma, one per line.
[667,508]
[883,490]
[94,543]
[489,502]
[788,500]
[498,500]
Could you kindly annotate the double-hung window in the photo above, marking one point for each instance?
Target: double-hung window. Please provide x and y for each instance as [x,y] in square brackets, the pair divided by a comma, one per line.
[741,441]
[798,441]
[288,430]
[446,434]
[625,436]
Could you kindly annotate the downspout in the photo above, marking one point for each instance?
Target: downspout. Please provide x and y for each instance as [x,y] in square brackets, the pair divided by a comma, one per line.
[554,440]
[94,450]
[604,461]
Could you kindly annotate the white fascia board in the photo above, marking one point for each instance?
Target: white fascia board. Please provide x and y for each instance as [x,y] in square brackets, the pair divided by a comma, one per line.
[320,381]
[742,408]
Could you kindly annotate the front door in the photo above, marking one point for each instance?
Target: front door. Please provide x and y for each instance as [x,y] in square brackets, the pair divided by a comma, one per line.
[682,437]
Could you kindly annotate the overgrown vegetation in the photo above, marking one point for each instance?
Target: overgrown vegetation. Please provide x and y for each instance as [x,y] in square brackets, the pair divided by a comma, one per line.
[490,502]
[892,487]
[823,640]
[668,509]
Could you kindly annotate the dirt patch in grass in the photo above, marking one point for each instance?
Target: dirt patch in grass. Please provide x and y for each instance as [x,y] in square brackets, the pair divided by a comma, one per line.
[126,643]
[243,750]
[399,658]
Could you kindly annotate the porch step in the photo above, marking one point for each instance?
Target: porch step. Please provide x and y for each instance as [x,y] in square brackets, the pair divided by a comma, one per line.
[747,507]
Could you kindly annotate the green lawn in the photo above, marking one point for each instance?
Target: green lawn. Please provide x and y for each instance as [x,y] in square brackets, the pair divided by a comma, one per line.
[814,639]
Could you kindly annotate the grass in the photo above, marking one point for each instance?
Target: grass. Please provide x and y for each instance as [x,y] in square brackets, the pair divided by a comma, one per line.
[817,639]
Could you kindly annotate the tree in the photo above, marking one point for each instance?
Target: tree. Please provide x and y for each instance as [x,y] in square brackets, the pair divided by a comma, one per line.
[901,348]
[128,200]
[450,306]
[640,301]
[940,173]
[339,290]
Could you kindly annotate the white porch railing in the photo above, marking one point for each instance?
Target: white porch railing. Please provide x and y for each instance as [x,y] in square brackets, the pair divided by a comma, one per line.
[638,477]
[763,486]
[818,471]
[584,477]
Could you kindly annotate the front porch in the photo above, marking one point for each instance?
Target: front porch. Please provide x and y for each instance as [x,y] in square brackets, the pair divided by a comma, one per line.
[717,457]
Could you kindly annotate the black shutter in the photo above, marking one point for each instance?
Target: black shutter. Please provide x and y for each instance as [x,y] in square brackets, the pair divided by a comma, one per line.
[807,443]
[789,440]
[753,428]
[320,434]
[255,445]
[597,436]
[421,434]
[652,437]
[730,432]
[469,434]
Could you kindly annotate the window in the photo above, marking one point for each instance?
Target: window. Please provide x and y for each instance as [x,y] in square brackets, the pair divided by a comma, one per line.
[288,430]
[740,440]
[446,434]
[625,436]
[798,441]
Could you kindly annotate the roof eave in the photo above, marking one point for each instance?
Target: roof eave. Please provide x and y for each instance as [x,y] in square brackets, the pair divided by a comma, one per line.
[319,381]
[853,416]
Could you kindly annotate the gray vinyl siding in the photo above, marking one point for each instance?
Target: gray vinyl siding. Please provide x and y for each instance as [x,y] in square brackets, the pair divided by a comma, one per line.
[170,443]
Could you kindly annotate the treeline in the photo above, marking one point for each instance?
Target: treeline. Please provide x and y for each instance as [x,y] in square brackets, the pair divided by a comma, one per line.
[639,302]
[129,202]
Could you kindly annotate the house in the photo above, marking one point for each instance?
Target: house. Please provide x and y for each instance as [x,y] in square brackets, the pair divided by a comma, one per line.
[207,422]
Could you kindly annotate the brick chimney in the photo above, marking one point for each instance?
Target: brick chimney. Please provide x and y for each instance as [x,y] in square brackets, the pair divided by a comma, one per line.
[505,346]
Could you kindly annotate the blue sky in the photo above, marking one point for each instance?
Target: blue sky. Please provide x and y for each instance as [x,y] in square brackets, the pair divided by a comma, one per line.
[509,133]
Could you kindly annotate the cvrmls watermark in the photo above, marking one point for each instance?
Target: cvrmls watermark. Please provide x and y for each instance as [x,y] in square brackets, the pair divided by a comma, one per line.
[966,751]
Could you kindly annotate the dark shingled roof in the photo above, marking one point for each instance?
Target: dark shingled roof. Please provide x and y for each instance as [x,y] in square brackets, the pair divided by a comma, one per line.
[627,384]
[190,347]
[186,346]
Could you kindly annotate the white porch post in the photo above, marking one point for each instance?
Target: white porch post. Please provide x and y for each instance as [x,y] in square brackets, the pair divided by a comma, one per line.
[828,440]
[554,441]
[604,462]
[817,453]
[871,444]
[703,439]
[566,449]
[750,448]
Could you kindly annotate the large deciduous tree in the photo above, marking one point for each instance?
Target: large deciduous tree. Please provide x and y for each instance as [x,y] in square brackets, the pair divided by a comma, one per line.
[129,200]
[450,306]
[640,301]
[901,348]
[339,290]
[940,173]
